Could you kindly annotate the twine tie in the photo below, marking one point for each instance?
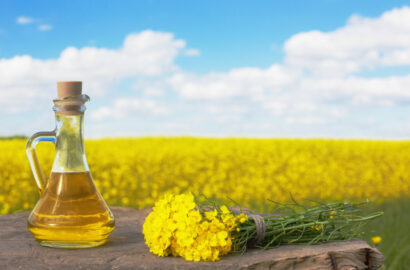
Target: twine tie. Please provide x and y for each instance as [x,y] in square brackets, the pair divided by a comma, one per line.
[260,227]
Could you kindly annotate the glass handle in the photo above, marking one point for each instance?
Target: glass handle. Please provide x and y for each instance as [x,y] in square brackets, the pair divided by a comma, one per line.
[43,136]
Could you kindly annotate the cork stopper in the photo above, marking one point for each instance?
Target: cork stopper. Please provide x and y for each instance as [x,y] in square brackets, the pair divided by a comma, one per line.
[69,89]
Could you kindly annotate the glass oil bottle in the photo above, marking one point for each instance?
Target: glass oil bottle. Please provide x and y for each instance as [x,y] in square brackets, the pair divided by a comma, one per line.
[70,213]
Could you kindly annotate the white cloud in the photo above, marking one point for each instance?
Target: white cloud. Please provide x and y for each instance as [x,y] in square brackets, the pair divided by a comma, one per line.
[150,87]
[192,52]
[241,81]
[364,43]
[226,109]
[304,120]
[320,82]
[29,80]
[320,75]
[24,20]
[45,27]
[154,92]
[123,107]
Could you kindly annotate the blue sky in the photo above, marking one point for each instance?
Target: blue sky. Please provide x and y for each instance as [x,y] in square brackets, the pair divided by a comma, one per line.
[210,68]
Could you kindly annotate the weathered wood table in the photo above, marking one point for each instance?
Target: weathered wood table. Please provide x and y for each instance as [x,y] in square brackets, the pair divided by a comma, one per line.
[126,250]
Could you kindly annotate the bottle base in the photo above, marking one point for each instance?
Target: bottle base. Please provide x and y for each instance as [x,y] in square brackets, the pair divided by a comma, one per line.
[71,245]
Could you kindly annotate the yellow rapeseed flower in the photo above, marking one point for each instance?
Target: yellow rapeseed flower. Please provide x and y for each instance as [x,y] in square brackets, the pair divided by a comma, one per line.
[225,209]
[376,240]
[177,227]
[242,218]
[247,170]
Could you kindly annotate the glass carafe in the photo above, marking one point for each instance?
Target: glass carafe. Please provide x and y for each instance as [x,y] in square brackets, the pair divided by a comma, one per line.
[70,213]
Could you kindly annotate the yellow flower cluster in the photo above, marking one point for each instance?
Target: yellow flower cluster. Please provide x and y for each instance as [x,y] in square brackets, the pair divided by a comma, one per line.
[137,172]
[177,227]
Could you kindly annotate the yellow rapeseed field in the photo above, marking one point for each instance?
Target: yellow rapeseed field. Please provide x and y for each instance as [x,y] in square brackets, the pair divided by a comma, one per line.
[136,172]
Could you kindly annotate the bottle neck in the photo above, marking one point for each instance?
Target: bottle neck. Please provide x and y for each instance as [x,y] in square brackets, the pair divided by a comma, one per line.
[70,153]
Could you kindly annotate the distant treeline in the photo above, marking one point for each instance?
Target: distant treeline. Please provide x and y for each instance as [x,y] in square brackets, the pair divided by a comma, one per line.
[13,137]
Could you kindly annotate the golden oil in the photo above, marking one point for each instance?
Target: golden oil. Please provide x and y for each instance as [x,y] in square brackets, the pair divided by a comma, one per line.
[71,213]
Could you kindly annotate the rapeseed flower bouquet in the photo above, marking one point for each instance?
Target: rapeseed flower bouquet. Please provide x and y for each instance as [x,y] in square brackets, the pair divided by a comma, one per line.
[180,226]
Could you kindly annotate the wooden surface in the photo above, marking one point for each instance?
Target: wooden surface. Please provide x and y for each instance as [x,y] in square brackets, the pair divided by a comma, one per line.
[126,250]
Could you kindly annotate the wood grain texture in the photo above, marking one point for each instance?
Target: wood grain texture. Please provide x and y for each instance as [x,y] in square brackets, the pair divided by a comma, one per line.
[126,250]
